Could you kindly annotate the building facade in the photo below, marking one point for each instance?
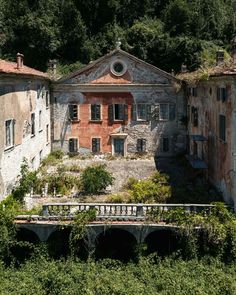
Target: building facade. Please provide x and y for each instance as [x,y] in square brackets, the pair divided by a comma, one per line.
[119,105]
[24,120]
[211,112]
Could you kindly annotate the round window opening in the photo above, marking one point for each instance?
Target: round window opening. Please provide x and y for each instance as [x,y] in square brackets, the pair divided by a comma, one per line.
[118,68]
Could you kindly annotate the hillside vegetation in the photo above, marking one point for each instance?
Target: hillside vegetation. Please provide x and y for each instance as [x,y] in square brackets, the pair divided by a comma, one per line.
[165,33]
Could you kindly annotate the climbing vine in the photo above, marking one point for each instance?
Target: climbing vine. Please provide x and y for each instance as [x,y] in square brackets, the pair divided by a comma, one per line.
[78,228]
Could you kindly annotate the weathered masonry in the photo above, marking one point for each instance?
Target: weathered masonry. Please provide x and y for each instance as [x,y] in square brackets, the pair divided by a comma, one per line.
[24,120]
[212,124]
[120,105]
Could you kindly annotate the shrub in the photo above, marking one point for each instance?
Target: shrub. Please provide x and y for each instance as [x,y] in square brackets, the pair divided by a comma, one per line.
[154,189]
[130,183]
[95,179]
[53,158]
[119,198]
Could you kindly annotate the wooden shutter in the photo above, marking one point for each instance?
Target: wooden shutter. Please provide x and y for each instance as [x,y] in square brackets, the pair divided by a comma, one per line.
[73,145]
[172,112]
[110,113]
[134,112]
[95,145]
[223,94]
[125,112]
[195,117]
[218,93]
[98,112]
[149,112]
[139,144]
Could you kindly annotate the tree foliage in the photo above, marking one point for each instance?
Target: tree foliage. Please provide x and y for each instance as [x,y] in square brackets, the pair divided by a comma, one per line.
[164,33]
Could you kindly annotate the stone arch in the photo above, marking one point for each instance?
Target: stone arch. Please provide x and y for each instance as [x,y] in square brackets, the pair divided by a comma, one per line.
[116,243]
[27,235]
[58,242]
[162,241]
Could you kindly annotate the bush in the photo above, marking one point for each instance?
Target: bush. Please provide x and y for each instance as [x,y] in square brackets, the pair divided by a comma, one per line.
[95,179]
[154,189]
[53,158]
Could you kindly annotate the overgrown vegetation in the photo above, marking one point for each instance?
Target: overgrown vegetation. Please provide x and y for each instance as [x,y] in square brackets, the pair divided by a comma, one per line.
[165,33]
[95,179]
[154,189]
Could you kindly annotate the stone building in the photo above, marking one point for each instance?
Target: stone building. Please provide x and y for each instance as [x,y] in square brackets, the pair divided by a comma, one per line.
[24,120]
[211,108]
[120,105]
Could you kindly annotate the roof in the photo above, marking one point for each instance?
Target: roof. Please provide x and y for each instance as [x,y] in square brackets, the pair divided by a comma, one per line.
[92,64]
[227,68]
[9,67]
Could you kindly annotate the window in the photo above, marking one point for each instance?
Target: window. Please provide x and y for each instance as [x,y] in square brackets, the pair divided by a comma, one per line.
[40,120]
[118,112]
[33,124]
[192,91]
[95,112]
[47,133]
[222,94]
[141,112]
[222,127]
[73,145]
[194,116]
[40,156]
[96,148]
[118,68]
[141,145]
[165,144]
[9,132]
[73,112]
[33,163]
[47,99]
[167,112]
[38,90]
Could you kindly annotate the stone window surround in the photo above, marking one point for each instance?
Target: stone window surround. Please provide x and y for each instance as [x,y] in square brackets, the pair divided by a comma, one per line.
[10,132]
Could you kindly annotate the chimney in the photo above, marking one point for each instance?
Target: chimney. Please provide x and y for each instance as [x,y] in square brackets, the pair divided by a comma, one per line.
[184,68]
[53,65]
[234,51]
[219,57]
[19,60]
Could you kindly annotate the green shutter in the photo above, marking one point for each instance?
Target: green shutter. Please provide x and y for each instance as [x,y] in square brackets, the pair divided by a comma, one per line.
[110,113]
[172,112]
[134,112]
[149,112]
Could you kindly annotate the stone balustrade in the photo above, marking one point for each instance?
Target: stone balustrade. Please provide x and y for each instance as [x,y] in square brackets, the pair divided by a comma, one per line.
[113,211]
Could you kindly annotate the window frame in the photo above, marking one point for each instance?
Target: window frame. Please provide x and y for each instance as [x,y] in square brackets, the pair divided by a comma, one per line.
[75,145]
[11,134]
[73,109]
[138,118]
[222,129]
[97,107]
[32,120]
[98,145]
[141,145]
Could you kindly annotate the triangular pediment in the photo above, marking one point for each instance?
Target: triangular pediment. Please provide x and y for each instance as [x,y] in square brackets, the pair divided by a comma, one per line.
[118,67]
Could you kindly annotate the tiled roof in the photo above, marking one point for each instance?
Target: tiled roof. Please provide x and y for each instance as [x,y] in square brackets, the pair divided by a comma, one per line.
[9,67]
[224,69]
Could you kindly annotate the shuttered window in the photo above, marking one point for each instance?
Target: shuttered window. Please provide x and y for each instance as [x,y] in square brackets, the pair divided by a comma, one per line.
[96,145]
[95,112]
[222,94]
[33,124]
[141,145]
[165,144]
[73,145]
[118,112]
[222,127]
[9,133]
[73,112]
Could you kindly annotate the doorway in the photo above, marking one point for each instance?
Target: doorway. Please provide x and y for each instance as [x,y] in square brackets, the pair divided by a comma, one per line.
[118,146]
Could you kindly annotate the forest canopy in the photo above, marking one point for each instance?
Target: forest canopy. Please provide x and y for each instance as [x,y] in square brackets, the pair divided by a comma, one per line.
[165,33]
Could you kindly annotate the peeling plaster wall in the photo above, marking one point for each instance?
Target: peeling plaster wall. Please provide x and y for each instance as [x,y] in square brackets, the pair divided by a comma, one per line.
[215,152]
[140,84]
[17,102]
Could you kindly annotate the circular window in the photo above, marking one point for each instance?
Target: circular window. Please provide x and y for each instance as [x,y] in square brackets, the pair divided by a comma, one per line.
[118,68]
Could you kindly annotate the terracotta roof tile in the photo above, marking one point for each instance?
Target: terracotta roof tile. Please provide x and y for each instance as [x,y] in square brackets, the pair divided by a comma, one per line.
[9,67]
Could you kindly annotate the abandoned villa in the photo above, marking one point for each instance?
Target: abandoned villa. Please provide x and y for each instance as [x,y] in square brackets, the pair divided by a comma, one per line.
[121,105]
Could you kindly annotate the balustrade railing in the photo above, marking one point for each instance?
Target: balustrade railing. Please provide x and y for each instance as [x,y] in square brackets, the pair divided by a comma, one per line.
[113,211]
